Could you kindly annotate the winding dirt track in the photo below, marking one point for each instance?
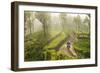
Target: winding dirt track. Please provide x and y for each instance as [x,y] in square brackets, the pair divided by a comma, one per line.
[70,52]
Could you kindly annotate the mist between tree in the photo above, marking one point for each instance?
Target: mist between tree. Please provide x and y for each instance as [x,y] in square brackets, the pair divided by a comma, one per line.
[56,36]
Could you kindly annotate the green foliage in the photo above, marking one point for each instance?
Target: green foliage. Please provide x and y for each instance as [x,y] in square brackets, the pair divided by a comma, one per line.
[55,42]
[44,44]
[33,46]
[83,48]
[62,56]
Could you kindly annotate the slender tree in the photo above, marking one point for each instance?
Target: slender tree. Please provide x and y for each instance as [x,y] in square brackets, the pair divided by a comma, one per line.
[63,20]
[78,22]
[29,22]
[44,18]
[87,20]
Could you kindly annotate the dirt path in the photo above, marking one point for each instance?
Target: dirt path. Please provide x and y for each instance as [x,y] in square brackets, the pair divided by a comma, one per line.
[70,52]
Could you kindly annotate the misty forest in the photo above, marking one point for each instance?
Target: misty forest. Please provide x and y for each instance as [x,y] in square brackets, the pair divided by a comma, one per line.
[56,36]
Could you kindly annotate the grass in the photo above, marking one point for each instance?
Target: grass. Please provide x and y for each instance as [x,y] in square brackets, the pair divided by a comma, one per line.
[34,46]
[53,33]
[82,48]
[55,42]
[36,50]
[82,44]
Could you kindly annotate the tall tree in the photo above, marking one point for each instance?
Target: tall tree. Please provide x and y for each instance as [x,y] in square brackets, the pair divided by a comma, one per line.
[87,20]
[63,21]
[78,22]
[29,21]
[44,18]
